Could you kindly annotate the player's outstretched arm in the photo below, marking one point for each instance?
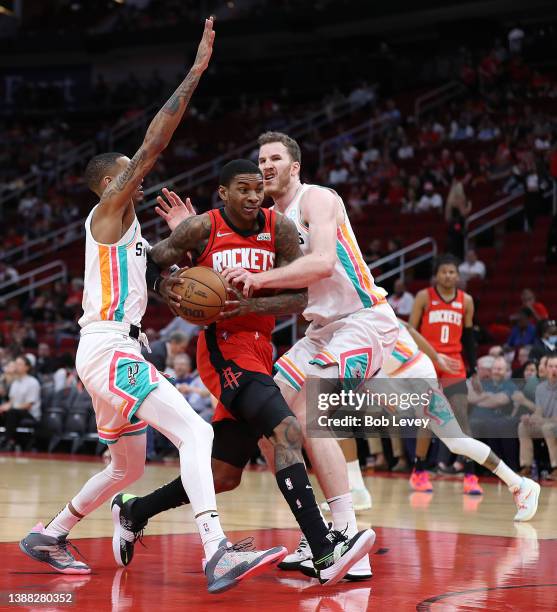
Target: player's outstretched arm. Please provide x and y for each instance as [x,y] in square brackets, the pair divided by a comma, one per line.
[286,302]
[188,236]
[320,212]
[160,131]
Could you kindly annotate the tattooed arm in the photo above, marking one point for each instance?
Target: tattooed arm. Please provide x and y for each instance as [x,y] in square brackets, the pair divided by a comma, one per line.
[288,301]
[186,237]
[119,192]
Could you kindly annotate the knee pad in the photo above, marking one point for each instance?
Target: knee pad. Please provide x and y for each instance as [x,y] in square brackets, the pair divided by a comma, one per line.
[261,406]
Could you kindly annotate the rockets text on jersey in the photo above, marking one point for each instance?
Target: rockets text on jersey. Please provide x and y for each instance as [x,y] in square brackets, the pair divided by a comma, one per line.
[230,247]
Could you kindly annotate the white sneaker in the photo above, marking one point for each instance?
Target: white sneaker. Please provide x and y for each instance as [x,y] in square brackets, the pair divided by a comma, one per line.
[526,499]
[361,498]
[301,554]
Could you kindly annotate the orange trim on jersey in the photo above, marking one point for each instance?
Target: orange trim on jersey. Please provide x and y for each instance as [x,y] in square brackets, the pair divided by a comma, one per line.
[406,365]
[359,264]
[106,280]
[292,366]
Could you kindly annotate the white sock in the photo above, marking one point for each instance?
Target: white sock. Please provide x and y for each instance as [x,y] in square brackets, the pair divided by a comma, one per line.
[342,511]
[62,523]
[355,479]
[508,476]
[210,531]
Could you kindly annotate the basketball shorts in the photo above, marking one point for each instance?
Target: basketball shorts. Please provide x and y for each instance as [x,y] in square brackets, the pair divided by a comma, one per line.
[357,344]
[118,379]
[453,384]
[227,363]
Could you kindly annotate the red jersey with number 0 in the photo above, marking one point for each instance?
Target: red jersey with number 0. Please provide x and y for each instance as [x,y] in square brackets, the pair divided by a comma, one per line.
[254,250]
[442,322]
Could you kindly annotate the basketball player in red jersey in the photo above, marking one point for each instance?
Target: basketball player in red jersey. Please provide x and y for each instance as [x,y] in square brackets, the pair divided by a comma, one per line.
[234,359]
[444,316]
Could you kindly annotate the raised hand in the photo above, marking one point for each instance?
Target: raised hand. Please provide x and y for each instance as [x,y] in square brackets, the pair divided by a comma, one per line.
[173,210]
[205,49]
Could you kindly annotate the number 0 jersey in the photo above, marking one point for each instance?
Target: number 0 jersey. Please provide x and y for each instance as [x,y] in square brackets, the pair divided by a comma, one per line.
[442,322]
[114,282]
[351,286]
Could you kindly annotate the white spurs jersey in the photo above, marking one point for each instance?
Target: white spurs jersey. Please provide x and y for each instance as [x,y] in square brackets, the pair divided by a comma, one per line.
[351,286]
[115,288]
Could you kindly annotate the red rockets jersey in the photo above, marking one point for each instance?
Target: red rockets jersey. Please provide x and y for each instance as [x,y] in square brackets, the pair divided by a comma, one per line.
[254,250]
[442,322]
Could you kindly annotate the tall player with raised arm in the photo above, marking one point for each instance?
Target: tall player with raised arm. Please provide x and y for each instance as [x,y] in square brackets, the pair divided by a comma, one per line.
[127,392]
[352,327]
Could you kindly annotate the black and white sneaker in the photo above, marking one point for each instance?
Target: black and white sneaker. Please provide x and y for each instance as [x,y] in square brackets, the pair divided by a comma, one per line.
[341,554]
[354,574]
[126,532]
[294,560]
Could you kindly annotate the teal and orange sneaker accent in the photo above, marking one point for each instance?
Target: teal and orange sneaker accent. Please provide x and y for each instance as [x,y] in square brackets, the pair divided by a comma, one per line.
[126,532]
[419,481]
[471,485]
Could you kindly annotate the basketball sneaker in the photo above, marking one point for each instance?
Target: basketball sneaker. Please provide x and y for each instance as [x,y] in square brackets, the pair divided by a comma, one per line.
[126,532]
[53,551]
[302,560]
[471,485]
[341,553]
[295,559]
[419,481]
[233,563]
[526,499]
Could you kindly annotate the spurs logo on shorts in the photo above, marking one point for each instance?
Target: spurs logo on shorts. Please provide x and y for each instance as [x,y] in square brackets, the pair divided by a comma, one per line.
[231,378]
[133,370]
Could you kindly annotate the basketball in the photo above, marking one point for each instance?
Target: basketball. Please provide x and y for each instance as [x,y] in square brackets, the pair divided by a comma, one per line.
[203,295]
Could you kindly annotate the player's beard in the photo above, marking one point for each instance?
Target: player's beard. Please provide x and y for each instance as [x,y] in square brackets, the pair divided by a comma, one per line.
[280,184]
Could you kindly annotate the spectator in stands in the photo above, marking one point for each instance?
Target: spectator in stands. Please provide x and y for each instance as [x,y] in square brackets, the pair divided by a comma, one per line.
[46,364]
[471,267]
[430,200]
[490,417]
[401,300]
[24,401]
[339,174]
[542,423]
[8,276]
[190,386]
[406,150]
[6,379]
[179,325]
[526,378]
[522,356]
[496,351]
[461,129]
[163,351]
[547,341]
[523,332]
[65,372]
[537,311]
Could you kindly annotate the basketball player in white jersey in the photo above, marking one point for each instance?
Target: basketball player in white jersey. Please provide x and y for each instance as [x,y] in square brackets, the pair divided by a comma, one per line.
[411,359]
[352,327]
[127,391]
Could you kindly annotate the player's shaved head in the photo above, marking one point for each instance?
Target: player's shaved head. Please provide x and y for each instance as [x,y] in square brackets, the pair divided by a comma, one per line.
[235,167]
[100,166]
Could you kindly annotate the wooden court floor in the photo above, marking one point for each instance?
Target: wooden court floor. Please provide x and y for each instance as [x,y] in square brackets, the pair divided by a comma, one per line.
[433,552]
